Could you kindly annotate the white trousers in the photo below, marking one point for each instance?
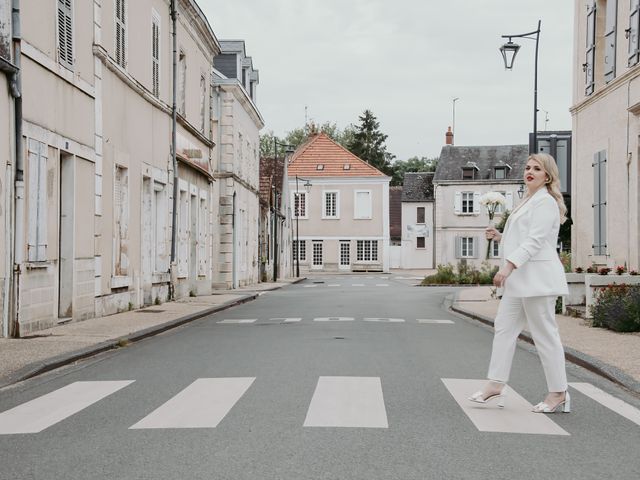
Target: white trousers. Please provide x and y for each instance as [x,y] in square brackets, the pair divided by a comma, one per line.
[539,313]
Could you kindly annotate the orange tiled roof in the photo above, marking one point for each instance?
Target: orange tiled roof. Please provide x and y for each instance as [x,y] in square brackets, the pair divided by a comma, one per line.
[321,150]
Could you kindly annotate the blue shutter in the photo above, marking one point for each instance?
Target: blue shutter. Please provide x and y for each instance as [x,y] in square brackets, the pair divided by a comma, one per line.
[591,50]
[632,35]
[600,203]
[610,40]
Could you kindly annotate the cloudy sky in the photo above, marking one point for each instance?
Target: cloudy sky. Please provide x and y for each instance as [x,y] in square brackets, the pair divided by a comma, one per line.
[405,60]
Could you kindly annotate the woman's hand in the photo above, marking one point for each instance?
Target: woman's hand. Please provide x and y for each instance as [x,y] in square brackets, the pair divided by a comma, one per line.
[503,273]
[491,233]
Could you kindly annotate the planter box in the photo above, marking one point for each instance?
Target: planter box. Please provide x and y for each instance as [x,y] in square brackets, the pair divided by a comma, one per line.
[575,282]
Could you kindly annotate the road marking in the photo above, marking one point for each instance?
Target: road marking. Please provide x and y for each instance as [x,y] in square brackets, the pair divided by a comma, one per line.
[612,403]
[203,404]
[309,286]
[390,320]
[347,402]
[333,285]
[357,284]
[333,319]
[238,320]
[427,320]
[382,284]
[291,320]
[515,417]
[42,412]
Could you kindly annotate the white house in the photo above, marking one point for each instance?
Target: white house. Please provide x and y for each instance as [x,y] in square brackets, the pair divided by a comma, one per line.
[417,220]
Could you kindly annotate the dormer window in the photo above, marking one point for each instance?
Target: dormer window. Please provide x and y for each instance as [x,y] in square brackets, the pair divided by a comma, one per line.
[346,166]
[320,166]
[469,171]
[500,173]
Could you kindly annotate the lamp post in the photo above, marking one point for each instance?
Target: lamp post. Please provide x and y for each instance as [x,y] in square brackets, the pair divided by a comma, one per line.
[520,190]
[509,51]
[288,150]
[307,186]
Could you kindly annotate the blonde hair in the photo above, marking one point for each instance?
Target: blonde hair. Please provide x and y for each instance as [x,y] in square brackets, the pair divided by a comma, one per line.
[550,167]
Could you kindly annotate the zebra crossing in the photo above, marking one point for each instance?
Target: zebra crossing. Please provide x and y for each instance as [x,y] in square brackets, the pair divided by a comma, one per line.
[289,320]
[337,401]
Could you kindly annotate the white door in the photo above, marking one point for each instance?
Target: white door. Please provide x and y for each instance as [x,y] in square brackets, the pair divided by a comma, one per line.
[345,255]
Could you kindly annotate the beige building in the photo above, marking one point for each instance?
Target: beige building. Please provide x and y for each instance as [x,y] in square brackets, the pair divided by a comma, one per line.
[417,249]
[606,130]
[94,213]
[463,175]
[343,218]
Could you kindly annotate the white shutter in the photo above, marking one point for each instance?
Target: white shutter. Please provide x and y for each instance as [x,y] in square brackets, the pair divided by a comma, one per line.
[202,236]
[121,33]
[458,246]
[589,64]
[34,164]
[41,245]
[476,202]
[457,203]
[634,27]
[610,40]
[474,247]
[509,202]
[155,55]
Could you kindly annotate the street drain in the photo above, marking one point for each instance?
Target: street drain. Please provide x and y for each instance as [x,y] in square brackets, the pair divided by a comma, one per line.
[149,311]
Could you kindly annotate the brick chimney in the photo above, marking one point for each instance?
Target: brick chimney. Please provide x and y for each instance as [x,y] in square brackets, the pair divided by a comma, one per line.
[449,137]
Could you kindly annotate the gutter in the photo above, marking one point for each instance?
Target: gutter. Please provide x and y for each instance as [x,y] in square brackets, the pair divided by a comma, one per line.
[174,162]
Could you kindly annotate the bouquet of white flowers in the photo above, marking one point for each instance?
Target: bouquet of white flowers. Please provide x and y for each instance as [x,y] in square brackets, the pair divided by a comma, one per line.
[491,200]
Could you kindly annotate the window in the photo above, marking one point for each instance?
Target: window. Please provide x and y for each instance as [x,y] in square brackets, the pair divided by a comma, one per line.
[203,101]
[320,166]
[121,33]
[362,204]
[37,203]
[467,202]
[420,242]
[367,250]
[500,173]
[610,40]
[501,208]
[300,204]
[345,257]
[317,253]
[495,250]
[468,173]
[65,34]
[420,215]
[330,205]
[303,250]
[466,247]
[182,82]
[588,66]
[121,216]
[155,54]
[600,203]
[634,27]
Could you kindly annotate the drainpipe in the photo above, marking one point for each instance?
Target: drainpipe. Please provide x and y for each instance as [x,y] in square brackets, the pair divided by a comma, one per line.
[18,239]
[233,240]
[174,161]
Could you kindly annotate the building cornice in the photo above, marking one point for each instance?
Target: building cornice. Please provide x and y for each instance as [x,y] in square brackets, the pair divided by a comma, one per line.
[602,92]
[341,180]
[232,85]
[478,182]
[236,178]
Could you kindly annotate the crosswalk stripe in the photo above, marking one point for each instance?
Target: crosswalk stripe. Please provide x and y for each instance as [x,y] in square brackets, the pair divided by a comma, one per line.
[238,320]
[515,417]
[333,319]
[427,320]
[357,284]
[203,404]
[333,285]
[612,403]
[390,320]
[42,412]
[347,402]
[382,284]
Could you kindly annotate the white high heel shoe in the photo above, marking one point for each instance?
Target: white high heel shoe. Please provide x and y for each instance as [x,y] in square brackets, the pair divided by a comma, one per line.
[544,408]
[478,398]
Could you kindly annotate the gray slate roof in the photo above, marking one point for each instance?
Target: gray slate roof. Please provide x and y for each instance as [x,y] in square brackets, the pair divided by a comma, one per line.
[453,158]
[417,187]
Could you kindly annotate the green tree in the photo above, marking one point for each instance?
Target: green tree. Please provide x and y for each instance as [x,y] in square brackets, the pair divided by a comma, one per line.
[368,143]
[413,164]
[298,136]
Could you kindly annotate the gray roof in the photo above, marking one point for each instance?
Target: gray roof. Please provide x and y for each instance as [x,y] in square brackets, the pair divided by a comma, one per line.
[417,187]
[485,158]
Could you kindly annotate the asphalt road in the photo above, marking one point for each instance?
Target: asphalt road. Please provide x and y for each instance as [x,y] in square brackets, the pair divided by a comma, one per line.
[368,357]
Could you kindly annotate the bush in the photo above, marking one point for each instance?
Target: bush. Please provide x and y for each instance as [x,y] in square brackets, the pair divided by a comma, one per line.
[617,307]
[465,275]
[565,258]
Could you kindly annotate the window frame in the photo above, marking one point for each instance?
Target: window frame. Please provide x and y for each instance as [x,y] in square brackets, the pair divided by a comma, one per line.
[304,204]
[355,205]
[424,243]
[470,203]
[424,215]
[365,251]
[336,204]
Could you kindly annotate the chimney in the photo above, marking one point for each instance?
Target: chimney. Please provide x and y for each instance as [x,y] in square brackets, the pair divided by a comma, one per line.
[449,137]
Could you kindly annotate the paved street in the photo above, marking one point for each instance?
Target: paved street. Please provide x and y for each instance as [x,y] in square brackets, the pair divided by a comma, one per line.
[337,377]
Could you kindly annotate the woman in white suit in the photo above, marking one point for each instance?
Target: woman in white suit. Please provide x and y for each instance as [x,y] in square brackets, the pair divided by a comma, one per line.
[531,278]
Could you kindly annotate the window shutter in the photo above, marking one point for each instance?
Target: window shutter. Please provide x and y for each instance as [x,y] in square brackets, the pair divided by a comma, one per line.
[65,34]
[155,56]
[476,202]
[41,245]
[458,247]
[634,27]
[509,202]
[34,151]
[457,203]
[474,247]
[202,237]
[599,204]
[610,40]
[591,50]
[121,33]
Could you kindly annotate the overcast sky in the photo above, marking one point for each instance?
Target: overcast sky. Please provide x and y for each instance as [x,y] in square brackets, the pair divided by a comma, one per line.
[405,60]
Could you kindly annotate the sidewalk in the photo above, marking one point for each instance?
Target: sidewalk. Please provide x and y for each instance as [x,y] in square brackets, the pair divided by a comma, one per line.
[615,356]
[22,358]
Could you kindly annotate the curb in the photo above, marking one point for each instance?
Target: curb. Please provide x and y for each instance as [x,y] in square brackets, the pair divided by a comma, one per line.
[40,367]
[588,362]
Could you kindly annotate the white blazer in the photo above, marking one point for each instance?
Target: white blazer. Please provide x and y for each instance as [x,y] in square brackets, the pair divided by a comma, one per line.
[529,242]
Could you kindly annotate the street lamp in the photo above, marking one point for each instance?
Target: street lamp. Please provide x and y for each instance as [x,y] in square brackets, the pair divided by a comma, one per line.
[289,149]
[509,51]
[520,190]
[307,186]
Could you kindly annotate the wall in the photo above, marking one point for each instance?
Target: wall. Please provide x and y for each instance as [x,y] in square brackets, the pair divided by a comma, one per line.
[412,256]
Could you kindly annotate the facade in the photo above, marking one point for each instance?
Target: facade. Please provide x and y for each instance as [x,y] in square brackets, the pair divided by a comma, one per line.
[343,218]
[605,204]
[417,220]
[462,176]
[92,192]
[237,166]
